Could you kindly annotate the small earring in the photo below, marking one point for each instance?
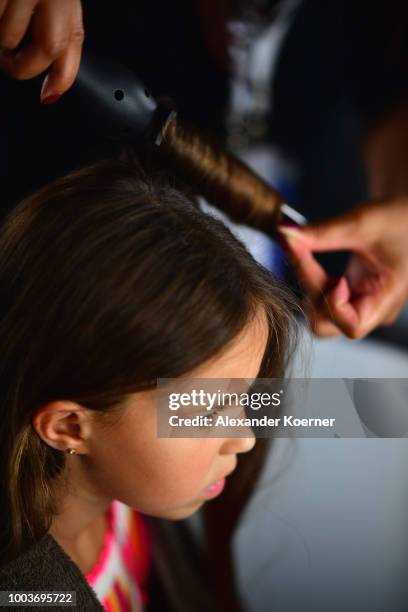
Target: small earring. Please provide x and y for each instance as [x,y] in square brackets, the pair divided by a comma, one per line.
[71,451]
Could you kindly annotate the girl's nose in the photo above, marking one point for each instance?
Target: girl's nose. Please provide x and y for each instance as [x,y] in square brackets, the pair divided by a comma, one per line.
[238,444]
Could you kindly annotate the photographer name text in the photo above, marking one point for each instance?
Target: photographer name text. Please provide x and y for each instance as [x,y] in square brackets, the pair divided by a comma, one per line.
[264,421]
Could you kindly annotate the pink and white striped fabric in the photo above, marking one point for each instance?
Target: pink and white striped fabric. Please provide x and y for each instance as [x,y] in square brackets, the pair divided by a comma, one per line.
[119,577]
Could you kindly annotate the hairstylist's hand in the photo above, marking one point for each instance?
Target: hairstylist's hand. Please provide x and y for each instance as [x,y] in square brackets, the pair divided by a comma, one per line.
[54,41]
[375,285]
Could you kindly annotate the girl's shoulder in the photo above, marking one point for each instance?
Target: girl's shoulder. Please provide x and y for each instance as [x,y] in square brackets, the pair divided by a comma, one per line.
[46,567]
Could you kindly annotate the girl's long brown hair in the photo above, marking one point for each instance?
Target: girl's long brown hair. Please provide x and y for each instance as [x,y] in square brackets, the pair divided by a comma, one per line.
[109,280]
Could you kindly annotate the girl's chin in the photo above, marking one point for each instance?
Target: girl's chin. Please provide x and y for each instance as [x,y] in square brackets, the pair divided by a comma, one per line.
[182,512]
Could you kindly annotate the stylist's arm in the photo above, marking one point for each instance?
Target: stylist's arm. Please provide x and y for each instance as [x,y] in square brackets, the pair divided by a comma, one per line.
[40,35]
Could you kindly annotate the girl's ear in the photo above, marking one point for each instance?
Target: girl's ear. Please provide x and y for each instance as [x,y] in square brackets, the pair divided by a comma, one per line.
[64,425]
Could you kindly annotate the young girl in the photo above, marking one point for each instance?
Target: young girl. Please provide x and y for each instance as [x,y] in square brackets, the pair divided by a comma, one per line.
[109,281]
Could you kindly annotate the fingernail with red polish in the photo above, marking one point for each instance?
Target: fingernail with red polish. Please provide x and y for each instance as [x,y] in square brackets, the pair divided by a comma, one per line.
[50,99]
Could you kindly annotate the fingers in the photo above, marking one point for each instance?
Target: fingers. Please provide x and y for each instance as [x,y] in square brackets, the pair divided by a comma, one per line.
[375,285]
[50,33]
[358,316]
[340,233]
[15,19]
[64,70]
[355,315]
[61,75]
[355,305]
[342,310]
[315,281]
[310,273]
[320,322]
[3,6]
[51,27]
[339,312]
[56,38]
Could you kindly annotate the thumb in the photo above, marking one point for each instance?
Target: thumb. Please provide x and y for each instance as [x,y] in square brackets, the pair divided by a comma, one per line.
[339,233]
[62,73]
[64,69]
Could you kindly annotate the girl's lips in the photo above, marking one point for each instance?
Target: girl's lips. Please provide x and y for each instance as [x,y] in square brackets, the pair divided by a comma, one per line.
[214,489]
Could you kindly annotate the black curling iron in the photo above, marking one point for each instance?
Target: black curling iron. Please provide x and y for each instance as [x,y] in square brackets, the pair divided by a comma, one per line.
[120,105]
[117,102]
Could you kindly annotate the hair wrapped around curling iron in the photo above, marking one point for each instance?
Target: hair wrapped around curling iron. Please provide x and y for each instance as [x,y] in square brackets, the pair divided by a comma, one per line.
[221,178]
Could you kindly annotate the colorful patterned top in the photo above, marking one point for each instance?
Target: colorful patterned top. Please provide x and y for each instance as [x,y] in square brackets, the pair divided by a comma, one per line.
[119,577]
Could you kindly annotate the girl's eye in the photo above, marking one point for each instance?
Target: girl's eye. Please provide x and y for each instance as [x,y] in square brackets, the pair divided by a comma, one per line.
[211,413]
